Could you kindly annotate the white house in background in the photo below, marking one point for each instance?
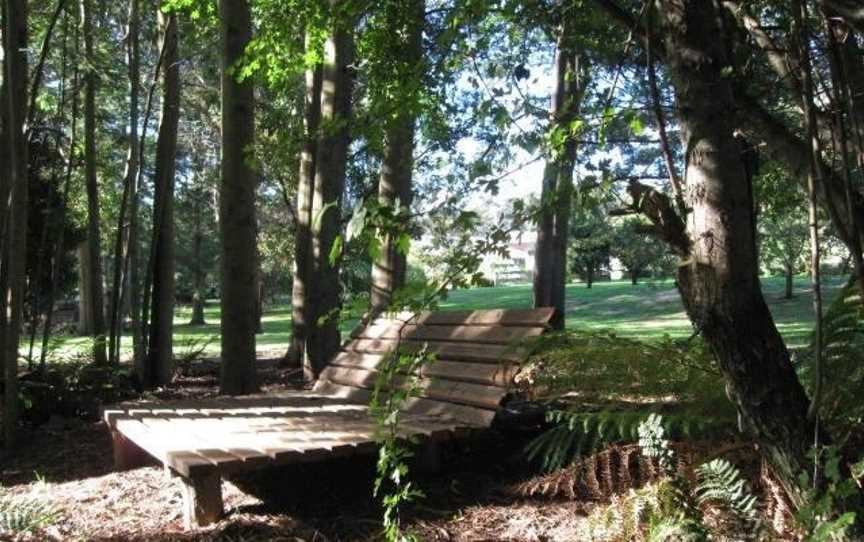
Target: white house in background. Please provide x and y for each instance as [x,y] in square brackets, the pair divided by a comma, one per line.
[517,266]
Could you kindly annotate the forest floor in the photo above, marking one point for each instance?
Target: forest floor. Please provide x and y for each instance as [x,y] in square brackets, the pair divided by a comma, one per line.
[67,464]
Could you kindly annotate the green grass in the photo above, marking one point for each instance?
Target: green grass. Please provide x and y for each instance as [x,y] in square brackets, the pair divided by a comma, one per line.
[648,310]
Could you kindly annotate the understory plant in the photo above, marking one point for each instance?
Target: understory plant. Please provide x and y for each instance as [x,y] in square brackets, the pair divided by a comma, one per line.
[21,515]
[599,385]
[674,508]
[396,383]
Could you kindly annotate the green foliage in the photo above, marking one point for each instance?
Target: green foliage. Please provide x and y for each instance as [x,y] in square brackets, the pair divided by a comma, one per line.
[829,514]
[640,253]
[576,433]
[22,515]
[720,482]
[607,369]
[842,351]
[392,485]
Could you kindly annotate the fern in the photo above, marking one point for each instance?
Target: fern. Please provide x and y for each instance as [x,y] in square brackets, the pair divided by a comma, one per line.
[24,515]
[720,482]
[576,433]
[843,350]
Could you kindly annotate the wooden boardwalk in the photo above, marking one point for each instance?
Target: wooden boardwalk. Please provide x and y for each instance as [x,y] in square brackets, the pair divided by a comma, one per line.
[477,354]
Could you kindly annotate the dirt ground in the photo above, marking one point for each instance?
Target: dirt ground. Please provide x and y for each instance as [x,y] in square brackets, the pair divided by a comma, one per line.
[68,462]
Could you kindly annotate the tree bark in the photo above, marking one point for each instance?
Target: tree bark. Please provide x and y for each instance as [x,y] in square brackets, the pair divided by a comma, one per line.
[719,282]
[14,244]
[330,163]
[550,264]
[790,281]
[237,206]
[121,249]
[94,241]
[160,366]
[394,184]
[303,285]
[197,240]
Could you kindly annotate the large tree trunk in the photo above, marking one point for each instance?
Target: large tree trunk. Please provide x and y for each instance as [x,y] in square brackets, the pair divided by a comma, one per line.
[324,337]
[160,366]
[237,206]
[121,281]
[394,184]
[550,265]
[719,283]
[94,244]
[13,246]
[303,285]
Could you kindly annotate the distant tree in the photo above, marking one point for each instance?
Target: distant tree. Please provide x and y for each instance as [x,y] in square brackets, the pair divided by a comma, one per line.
[590,243]
[782,234]
[92,261]
[783,246]
[638,252]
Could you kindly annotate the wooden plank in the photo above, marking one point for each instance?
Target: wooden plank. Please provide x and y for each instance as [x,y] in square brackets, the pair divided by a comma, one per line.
[457,392]
[489,353]
[478,373]
[500,317]
[474,333]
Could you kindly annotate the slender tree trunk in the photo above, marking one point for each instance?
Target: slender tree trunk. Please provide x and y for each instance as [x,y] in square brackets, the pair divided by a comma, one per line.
[197,240]
[394,184]
[160,351]
[303,286]
[719,283]
[790,282]
[237,206]
[634,277]
[550,266]
[85,296]
[324,337]
[94,244]
[14,245]
[60,233]
[589,278]
[121,248]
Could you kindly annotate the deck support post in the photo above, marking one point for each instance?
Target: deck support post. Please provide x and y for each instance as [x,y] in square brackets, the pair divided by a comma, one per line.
[427,457]
[127,454]
[202,499]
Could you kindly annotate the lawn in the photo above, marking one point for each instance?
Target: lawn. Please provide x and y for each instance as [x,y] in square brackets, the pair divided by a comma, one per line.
[648,310]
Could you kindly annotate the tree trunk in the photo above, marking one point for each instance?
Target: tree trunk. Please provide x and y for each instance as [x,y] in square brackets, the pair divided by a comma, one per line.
[589,278]
[550,266]
[121,249]
[85,297]
[160,369]
[14,244]
[634,277]
[198,238]
[330,162]
[303,286]
[790,281]
[394,184]
[94,244]
[237,206]
[719,284]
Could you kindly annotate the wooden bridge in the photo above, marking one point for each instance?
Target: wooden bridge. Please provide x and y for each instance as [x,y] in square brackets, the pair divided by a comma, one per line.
[476,356]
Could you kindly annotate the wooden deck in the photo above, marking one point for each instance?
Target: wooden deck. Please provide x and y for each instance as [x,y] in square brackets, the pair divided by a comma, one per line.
[477,354]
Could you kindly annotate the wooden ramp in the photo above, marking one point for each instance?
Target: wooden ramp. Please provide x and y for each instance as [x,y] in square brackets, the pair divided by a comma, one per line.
[476,356]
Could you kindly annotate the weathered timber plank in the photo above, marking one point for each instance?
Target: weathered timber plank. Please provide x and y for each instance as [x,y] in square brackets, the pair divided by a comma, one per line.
[475,333]
[457,392]
[489,317]
[478,373]
[489,353]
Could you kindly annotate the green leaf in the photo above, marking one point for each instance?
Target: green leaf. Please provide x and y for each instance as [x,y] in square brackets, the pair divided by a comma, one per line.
[335,250]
